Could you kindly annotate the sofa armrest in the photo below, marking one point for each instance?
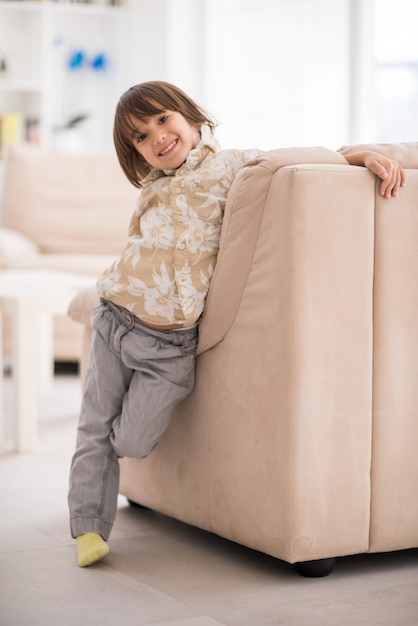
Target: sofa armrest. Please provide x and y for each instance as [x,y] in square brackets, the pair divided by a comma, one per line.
[257,183]
[79,311]
[14,244]
[82,305]
[405,153]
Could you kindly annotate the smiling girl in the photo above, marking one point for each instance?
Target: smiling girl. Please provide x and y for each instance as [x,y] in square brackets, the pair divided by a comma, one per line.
[142,359]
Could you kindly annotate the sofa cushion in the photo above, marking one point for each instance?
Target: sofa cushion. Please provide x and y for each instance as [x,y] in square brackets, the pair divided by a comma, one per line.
[15,246]
[66,204]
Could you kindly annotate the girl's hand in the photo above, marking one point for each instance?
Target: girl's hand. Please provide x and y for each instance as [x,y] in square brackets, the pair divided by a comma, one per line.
[389,171]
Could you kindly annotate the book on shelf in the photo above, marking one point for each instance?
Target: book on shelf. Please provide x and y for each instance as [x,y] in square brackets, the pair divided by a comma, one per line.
[15,128]
[103,3]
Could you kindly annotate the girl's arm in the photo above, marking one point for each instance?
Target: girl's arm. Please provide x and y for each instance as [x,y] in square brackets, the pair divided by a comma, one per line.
[391,173]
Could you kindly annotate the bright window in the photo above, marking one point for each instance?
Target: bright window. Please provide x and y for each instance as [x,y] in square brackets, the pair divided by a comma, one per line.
[396,70]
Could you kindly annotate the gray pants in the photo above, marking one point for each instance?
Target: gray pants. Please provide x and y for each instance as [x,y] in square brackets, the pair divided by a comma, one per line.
[134,379]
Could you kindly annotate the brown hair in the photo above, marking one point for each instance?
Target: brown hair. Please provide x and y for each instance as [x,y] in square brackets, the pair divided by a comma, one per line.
[143,101]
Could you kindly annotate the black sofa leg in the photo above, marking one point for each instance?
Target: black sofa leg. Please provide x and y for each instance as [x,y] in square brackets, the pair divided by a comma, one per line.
[315,569]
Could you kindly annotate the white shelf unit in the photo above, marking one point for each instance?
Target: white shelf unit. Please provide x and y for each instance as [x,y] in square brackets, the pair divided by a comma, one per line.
[60,60]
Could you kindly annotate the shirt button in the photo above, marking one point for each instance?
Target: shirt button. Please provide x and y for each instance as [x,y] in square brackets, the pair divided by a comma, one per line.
[182,246]
[180,218]
[178,189]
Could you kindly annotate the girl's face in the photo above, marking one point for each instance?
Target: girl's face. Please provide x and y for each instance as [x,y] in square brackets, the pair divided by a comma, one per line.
[164,140]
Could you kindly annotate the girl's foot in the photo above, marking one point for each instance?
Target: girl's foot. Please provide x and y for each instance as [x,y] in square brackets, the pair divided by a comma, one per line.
[91,548]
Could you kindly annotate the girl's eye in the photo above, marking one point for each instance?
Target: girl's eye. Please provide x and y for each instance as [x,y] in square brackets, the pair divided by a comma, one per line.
[141,138]
[163,119]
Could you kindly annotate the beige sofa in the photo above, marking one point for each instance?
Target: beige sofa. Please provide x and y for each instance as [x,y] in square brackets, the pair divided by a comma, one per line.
[63,212]
[300,437]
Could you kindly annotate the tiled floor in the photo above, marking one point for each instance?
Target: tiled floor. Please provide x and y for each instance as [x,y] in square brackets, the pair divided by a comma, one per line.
[162,572]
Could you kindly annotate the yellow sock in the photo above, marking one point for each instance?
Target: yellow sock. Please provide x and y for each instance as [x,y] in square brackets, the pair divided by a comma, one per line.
[91,548]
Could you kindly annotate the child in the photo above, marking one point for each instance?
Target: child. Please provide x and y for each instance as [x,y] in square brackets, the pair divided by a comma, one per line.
[142,357]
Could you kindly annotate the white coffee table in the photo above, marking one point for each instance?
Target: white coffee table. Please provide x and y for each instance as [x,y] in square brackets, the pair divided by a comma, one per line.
[32,298]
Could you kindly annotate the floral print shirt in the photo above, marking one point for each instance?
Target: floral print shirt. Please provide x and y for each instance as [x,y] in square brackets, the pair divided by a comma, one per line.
[164,272]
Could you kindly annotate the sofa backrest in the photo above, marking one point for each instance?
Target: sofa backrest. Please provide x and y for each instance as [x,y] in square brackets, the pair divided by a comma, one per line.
[259,185]
[255,186]
[68,203]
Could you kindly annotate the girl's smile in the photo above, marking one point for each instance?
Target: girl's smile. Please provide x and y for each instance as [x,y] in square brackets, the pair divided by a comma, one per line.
[164,140]
[166,150]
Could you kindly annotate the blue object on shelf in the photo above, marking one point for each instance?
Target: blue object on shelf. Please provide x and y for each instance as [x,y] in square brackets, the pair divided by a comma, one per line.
[99,62]
[76,60]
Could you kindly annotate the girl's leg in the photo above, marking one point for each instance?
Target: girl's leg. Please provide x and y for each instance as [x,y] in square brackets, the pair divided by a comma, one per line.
[135,378]
[94,476]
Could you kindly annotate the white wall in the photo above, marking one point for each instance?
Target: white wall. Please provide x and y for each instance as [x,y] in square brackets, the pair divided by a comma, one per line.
[168,43]
[277,72]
